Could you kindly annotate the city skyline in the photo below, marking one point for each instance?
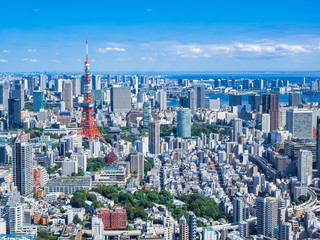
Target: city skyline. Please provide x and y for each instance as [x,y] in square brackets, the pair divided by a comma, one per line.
[151,36]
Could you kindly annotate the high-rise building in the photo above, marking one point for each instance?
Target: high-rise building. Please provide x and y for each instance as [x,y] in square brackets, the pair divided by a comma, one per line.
[4,95]
[208,233]
[137,164]
[76,86]
[162,100]
[146,114]
[244,229]
[235,100]
[294,99]
[238,209]
[305,167]
[22,164]
[96,82]
[97,227]
[299,123]
[154,137]
[14,113]
[120,99]
[200,93]
[183,227]
[265,123]
[68,95]
[192,101]
[270,105]
[318,145]
[192,222]
[37,101]
[15,220]
[214,104]
[236,129]
[19,93]
[43,82]
[184,122]
[267,215]
[113,220]
[258,84]
[286,231]
[255,101]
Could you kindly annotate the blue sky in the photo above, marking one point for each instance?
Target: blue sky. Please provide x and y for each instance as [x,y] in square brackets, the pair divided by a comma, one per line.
[160,35]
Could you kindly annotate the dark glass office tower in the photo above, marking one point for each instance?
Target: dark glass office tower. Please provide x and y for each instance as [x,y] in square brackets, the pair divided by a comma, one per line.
[270,105]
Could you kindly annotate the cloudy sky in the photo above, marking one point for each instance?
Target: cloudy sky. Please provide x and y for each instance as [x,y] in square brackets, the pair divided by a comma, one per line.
[158,35]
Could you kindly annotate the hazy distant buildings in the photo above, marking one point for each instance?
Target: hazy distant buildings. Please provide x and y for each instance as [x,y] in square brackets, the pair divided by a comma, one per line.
[120,99]
[255,101]
[192,101]
[200,94]
[154,137]
[270,105]
[162,100]
[184,122]
[146,114]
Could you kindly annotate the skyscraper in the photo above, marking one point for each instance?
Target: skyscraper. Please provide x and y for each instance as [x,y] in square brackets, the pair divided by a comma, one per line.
[14,113]
[137,164]
[68,95]
[305,166]
[192,222]
[120,99]
[235,100]
[286,231]
[267,212]
[146,114]
[255,101]
[238,209]
[76,86]
[22,167]
[184,231]
[294,99]
[236,128]
[244,229]
[4,95]
[318,144]
[184,122]
[162,100]
[270,105]
[265,123]
[192,101]
[200,93]
[15,216]
[37,101]
[42,81]
[96,82]
[299,123]
[154,137]
[19,93]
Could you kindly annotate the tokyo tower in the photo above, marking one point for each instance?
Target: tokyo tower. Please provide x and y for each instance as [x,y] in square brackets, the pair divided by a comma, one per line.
[88,126]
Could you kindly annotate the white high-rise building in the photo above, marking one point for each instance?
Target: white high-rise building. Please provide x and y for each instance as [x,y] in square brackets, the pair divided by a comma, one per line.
[94,148]
[169,230]
[69,167]
[265,124]
[3,226]
[286,231]
[209,234]
[142,145]
[68,95]
[305,166]
[299,123]
[15,219]
[76,86]
[97,226]
[162,99]
[42,82]
[214,104]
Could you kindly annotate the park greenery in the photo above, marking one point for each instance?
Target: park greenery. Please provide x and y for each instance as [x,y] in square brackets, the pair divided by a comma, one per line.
[300,200]
[95,164]
[136,203]
[80,196]
[148,164]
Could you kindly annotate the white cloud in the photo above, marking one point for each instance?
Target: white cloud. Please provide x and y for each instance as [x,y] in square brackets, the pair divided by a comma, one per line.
[262,48]
[3,60]
[147,58]
[110,49]
[30,60]
[31,50]
[5,51]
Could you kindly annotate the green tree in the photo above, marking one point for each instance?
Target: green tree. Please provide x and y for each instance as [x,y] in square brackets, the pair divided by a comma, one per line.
[77,220]
[43,235]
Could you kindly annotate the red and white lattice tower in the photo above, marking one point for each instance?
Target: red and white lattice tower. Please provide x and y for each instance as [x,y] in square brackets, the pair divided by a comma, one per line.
[88,126]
